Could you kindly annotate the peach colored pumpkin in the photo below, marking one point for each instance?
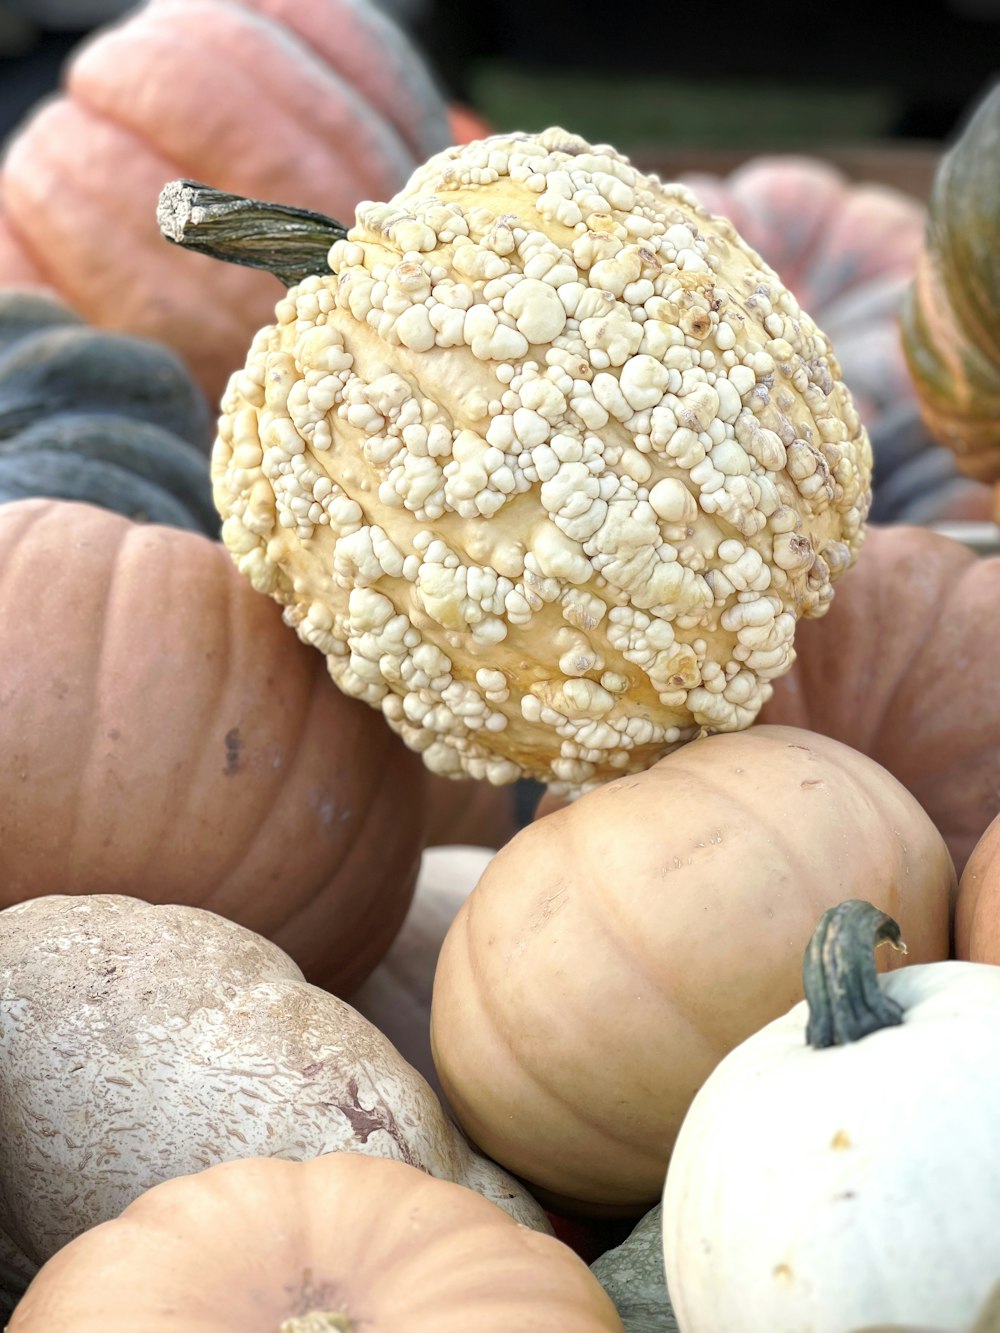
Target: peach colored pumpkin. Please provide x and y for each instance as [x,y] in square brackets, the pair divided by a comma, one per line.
[320,103]
[165,736]
[612,953]
[904,669]
[343,1242]
[977,912]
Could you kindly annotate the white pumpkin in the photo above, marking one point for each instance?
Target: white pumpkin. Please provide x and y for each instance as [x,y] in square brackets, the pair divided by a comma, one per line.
[141,1042]
[397,995]
[841,1186]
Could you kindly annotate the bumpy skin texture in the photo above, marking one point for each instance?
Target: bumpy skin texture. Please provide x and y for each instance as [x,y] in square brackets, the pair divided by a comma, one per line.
[613,952]
[548,466]
[846,249]
[143,1042]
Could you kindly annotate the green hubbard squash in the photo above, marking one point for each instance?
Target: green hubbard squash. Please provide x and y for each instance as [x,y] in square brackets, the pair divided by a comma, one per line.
[99,417]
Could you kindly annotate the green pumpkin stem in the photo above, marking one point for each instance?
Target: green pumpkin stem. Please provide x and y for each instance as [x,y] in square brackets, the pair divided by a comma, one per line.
[291,243]
[845,1000]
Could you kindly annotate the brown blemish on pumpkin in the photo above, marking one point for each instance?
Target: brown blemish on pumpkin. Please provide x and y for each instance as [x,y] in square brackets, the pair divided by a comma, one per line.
[812,782]
[365,1121]
[783,1273]
[234,744]
[841,1140]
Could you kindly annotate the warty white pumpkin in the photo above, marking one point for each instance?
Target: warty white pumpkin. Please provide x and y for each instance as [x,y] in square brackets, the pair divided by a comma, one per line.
[548,463]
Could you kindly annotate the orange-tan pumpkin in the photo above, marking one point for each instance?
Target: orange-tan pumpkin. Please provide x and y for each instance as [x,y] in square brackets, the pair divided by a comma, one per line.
[613,952]
[165,736]
[341,1244]
[320,103]
[977,912]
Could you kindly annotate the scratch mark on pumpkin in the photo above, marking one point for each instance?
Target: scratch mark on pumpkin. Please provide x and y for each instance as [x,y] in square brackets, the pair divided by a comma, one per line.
[234,744]
[365,1121]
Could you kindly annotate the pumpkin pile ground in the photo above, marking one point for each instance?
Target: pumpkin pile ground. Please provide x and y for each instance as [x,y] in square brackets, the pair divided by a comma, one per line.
[549,467]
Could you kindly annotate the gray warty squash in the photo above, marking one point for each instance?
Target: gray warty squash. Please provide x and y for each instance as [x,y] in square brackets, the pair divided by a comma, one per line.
[100,417]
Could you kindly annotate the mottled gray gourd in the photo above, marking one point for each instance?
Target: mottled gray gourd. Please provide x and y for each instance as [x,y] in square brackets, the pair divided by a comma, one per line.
[100,417]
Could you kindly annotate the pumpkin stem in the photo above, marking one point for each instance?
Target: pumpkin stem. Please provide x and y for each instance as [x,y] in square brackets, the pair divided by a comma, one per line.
[839,975]
[291,243]
[317,1321]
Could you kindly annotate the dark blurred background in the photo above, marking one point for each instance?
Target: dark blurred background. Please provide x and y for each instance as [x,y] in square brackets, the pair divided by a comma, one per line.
[879,87]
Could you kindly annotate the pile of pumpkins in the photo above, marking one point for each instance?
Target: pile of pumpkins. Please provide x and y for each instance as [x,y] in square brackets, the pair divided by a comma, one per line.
[295,1034]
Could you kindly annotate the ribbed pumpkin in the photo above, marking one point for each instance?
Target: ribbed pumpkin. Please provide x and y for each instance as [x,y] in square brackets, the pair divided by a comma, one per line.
[343,1242]
[613,952]
[977,912]
[951,319]
[320,103]
[165,736]
[904,669]
[102,417]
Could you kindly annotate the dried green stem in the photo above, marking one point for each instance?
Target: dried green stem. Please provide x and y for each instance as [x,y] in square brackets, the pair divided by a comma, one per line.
[845,1000]
[291,243]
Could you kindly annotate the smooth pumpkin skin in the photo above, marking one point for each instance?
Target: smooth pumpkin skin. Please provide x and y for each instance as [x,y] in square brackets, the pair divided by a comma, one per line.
[476,814]
[977,911]
[319,103]
[613,952]
[167,737]
[257,1246]
[835,1188]
[903,667]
